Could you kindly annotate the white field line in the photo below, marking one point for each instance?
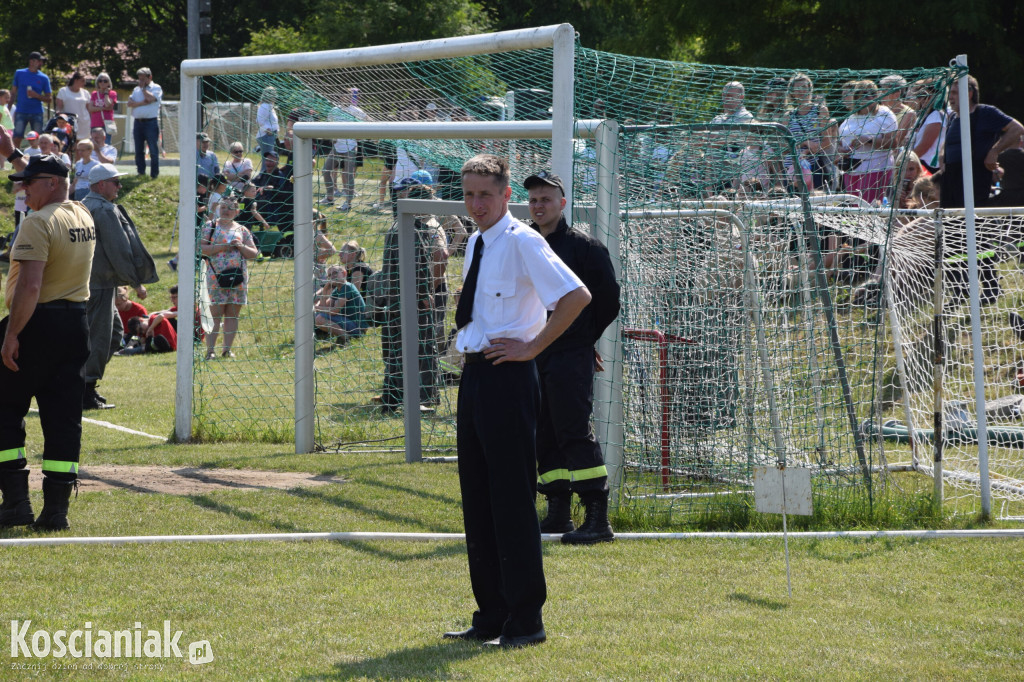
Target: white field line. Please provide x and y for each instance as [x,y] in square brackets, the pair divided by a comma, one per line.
[122,429]
[459,537]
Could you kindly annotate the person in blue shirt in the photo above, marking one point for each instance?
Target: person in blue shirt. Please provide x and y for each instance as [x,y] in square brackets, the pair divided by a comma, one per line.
[339,308]
[31,89]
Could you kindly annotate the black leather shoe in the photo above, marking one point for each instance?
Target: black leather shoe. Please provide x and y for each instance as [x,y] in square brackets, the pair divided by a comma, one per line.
[473,634]
[519,642]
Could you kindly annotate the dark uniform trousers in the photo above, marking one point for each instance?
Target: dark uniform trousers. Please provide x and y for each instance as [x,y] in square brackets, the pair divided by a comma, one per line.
[497,423]
[568,455]
[52,351]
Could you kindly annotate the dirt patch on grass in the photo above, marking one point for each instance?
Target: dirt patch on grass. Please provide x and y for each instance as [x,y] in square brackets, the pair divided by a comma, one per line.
[187,480]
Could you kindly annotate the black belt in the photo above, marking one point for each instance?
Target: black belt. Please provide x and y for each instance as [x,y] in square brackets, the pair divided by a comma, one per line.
[151,118]
[473,358]
[61,304]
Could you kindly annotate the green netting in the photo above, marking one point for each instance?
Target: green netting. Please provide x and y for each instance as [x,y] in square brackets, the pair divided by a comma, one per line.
[724,312]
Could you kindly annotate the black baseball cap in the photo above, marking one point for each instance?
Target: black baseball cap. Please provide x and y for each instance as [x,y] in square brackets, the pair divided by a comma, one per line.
[544,178]
[46,164]
[271,153]
[36,55]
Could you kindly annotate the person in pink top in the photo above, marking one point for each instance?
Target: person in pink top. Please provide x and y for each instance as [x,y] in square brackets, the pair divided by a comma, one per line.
[101,105]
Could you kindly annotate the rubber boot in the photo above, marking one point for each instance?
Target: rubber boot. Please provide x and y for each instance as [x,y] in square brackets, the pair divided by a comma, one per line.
[56,497]
[558,519]
[16,509]
[595,526]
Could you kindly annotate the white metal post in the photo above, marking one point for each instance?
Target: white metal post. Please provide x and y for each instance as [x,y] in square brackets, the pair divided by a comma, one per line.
[972,272]
[410,331]
[562,107]
[303,254]
[608,387]
[187,124]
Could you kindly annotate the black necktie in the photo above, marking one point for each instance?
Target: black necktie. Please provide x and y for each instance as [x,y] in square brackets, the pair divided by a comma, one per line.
[464,311]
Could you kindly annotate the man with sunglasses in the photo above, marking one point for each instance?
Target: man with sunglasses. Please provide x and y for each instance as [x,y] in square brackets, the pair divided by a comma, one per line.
[45,342]
[121,260]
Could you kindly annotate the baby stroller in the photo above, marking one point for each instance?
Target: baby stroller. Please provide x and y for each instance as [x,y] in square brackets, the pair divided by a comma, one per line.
[62,127]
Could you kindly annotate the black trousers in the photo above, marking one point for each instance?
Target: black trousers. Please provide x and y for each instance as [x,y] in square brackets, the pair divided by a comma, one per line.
[497,422]
[569,458]
[391,350]
[53,348]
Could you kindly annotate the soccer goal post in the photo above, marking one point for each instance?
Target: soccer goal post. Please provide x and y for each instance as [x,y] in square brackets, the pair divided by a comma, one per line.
[605,224]
[560,39]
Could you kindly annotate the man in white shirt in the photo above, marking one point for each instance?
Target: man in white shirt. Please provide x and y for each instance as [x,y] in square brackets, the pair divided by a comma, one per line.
[101,151]
[145,105]
[511,280]
[343,155]
[733,110]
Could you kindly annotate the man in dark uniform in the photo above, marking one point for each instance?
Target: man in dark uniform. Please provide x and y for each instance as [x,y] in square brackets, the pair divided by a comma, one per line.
[45,343]
[569,458]
[276,192]
[511,279]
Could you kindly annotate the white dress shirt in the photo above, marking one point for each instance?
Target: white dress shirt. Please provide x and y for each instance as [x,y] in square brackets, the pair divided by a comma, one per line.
[520,279]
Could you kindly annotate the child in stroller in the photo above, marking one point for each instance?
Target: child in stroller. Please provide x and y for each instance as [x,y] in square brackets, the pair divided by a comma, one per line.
[62,128]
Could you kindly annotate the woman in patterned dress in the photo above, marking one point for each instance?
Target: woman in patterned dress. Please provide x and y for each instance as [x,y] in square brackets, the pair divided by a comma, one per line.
[226,245]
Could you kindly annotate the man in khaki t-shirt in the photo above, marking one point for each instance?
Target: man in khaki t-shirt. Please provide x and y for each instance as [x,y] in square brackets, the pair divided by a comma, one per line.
[45,344]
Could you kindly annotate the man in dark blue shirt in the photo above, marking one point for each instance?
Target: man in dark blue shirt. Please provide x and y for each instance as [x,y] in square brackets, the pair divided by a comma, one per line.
[31,88]
[992,131]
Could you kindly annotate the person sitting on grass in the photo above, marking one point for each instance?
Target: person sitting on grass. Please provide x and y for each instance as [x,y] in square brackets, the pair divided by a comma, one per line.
[155,335]
[353,257]
[339,308]
[127,309]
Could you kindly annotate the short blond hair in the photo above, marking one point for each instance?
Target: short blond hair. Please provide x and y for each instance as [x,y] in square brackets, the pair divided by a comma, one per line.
[488,165]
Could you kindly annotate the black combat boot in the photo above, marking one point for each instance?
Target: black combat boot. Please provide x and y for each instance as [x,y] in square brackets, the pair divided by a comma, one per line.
[595,526]
[56,497]
[16,509]
[559,518]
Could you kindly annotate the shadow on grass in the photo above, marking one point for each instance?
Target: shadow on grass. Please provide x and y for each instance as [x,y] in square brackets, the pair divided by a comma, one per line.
[404,521]
[445,499]
[431,662]
[853,550]
[447,549]
[211,504]
[769,604]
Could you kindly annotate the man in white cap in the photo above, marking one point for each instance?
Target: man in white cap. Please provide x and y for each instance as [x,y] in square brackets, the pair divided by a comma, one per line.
[120,259]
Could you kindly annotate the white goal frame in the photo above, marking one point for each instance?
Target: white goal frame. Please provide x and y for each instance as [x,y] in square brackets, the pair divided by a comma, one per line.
[560,38]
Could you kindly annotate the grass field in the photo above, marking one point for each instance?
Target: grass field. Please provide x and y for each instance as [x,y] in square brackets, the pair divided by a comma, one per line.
[696,609]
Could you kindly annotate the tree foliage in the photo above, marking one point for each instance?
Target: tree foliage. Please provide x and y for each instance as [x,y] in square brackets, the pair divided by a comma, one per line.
[122,36]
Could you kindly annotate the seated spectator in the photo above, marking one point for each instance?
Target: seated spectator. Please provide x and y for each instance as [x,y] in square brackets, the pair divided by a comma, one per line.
[353,257]
[49,145]
[324,249]
[733,110]
[339,308]
[238,169]
[865,140]
[910,169]
[773,108]
[1011,162]
[249,214]
[83,164]
[276,192]
[101,107]
[127,308]
[206,161]
[154,333]
[101,151]
[218,188]
[32,137]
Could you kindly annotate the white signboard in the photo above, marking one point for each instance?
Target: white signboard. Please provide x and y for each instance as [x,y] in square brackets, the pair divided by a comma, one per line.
[769,483]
